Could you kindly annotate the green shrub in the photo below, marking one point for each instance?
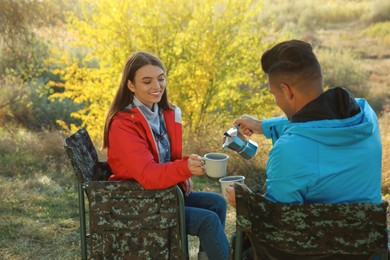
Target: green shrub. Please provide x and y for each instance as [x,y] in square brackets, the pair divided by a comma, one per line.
[294,17]
[380,32]
[343,68]
[339,12]
[301,16]
[27,104]
[379,11]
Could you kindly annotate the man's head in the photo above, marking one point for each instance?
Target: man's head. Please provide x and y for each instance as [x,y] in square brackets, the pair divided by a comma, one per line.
[294,75]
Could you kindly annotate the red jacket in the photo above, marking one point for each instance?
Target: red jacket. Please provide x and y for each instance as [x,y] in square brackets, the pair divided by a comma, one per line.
[133,154]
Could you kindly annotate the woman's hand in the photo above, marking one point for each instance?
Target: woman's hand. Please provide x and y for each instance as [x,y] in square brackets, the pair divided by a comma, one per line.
[249,125]
[195,165]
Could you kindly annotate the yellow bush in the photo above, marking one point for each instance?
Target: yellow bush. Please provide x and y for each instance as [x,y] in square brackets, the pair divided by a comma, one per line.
[211,51]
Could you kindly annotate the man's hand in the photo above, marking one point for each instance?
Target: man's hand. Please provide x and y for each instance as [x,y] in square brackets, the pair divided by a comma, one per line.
[231,193]
[249,125]
[195,165]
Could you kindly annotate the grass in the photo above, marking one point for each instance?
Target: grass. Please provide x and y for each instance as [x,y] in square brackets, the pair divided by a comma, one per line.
[38,203]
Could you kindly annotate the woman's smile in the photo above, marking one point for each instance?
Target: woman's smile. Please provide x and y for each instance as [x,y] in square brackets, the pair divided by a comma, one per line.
[149,84]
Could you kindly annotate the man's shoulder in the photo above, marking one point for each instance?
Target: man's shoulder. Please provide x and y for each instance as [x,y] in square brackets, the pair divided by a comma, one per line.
[295,140]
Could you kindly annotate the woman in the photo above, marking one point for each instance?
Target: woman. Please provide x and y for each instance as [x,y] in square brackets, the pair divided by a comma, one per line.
[143,137]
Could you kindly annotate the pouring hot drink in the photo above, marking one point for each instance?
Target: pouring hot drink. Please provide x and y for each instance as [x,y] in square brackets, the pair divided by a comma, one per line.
[237,142]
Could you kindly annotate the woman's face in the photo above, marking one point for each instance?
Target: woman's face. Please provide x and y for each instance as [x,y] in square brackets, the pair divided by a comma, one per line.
[149,84]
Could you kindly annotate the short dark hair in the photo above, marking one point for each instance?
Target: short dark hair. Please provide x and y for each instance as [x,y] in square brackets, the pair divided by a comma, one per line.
[292,57]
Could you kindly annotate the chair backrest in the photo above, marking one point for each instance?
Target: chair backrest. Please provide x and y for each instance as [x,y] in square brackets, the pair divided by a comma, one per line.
[84,158]
[312,229]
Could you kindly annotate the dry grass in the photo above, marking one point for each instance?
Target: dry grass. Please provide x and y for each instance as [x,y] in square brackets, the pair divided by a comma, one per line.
[38,206]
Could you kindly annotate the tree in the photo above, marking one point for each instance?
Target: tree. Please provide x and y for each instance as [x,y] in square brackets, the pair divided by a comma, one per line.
[24,44]
[211,51]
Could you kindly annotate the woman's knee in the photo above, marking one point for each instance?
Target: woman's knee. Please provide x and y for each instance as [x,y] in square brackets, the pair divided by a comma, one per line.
[219,201]
[212,220]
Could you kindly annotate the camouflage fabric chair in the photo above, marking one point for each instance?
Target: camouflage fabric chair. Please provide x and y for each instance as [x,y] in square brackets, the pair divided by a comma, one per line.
[125,220]
[310,231]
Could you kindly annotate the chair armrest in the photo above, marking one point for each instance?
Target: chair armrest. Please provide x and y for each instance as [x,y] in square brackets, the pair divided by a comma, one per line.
[120,190]
[243,208]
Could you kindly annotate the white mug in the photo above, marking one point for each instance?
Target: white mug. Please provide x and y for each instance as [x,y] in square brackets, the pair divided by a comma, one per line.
[228,180]
[215,164]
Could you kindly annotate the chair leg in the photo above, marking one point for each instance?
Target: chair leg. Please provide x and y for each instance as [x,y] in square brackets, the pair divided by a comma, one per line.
[239,240]
[83,229]
[182,223]
[383,256]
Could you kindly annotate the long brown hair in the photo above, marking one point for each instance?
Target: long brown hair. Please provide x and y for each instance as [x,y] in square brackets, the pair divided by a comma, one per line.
[124,96]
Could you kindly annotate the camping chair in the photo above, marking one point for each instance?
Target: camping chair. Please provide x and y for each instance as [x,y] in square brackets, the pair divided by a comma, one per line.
[309,231]
[125,220]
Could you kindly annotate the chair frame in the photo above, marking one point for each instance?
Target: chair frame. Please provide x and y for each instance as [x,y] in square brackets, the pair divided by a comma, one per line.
[103,171]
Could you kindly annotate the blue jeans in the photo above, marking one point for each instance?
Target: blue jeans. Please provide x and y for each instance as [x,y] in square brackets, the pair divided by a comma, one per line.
[205,217]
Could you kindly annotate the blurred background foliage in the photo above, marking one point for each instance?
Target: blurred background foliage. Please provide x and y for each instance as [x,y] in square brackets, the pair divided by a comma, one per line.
[61,62]
[27,34]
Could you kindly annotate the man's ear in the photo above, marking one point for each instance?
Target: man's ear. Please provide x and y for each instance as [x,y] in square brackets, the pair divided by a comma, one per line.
[287,90]
[130,86]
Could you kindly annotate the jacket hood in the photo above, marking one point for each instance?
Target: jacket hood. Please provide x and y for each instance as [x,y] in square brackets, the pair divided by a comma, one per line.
[335,103]
[338,132]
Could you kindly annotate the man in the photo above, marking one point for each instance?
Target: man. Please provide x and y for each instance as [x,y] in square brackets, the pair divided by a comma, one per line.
[328,149]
